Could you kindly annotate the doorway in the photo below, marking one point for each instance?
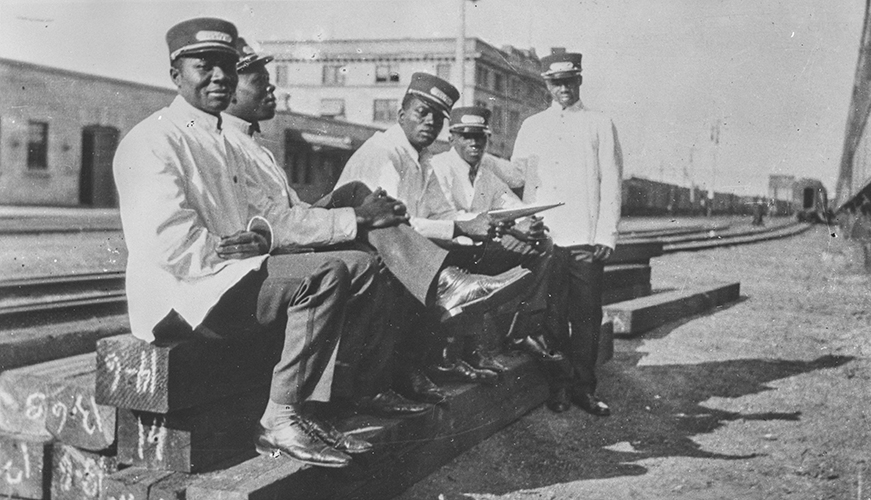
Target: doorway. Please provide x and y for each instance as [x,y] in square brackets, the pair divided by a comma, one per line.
[96,182]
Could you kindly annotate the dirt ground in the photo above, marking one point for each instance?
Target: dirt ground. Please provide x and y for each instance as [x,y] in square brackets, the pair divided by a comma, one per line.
[766,398]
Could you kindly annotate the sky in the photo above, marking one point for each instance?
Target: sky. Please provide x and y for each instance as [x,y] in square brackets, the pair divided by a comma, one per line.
[774,76]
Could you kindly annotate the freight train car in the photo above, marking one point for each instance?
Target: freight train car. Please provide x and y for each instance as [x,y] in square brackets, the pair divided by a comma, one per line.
[810,201]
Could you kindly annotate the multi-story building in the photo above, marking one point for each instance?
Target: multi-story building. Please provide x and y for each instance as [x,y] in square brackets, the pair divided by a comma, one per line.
[362,81]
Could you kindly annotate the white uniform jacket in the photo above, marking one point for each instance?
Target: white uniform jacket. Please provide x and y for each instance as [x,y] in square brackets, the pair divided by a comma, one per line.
[180,191]
[489,192]
[573,156]
[295,224]
[389,161]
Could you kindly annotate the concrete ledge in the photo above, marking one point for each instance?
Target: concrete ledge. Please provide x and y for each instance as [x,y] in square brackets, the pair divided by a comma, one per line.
[645,313]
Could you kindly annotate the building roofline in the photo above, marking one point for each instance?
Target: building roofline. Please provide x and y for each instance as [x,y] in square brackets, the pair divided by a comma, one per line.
[81,74]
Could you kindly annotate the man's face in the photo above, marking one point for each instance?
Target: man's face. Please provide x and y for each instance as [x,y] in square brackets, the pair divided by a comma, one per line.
[206,81]
[565,91]
[255,98]
[470,146]
[421,123]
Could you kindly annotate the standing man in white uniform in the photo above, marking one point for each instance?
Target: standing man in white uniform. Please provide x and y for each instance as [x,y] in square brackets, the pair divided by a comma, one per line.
[569,153]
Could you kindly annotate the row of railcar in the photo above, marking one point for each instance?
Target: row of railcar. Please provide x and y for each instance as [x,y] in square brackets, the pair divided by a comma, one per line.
[647,197]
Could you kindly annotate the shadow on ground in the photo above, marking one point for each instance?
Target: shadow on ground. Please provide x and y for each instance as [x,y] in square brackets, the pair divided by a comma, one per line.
[657,412]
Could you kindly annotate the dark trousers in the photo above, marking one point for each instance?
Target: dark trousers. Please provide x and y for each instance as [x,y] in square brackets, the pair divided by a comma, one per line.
[575,312]
[305,297]
[409,264]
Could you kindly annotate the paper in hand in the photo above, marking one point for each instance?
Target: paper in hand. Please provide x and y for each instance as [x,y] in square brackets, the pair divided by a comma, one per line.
[506,214]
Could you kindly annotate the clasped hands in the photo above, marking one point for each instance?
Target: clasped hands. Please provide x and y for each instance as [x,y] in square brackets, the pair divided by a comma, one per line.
[484,226]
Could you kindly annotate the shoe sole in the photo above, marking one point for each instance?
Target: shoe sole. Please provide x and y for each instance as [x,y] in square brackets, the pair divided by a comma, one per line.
[491,300]
[262,450]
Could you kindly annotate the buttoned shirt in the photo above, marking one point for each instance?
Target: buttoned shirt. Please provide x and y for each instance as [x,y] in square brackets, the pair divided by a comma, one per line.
[573,156]
[180,191]
[295,224]
[487,192]
[388,160]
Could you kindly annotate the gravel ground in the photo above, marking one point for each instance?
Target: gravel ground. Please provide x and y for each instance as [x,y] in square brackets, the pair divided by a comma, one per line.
[767,398]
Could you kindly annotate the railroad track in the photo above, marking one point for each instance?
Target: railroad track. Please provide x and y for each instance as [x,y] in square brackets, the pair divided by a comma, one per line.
[63,294]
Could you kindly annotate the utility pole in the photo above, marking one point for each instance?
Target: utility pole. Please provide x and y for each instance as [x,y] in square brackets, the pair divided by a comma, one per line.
[460,56]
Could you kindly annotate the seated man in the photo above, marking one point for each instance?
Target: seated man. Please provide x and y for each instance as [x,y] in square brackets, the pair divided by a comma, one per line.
[198,268]
[398,161]
[469,180]
[364,368]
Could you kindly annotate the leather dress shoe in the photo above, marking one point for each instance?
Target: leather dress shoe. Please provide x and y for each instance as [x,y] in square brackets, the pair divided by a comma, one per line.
[419,387]
[299,443]
[590,403]
[559,400]
[389,404]
[459,291]
[347,443]
[481,361]
[538,348]
[460,371]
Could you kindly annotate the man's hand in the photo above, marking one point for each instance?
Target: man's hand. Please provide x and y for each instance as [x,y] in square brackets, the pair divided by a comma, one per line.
[482,227]
[242,244]
[530,229]
[602,253]
[380,210]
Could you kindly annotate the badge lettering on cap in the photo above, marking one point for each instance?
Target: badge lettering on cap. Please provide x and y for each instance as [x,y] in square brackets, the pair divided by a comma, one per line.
[562,66]
[441,95]
[472,120]
[213,36]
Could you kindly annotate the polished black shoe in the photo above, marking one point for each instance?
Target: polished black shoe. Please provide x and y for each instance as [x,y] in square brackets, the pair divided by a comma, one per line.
[590,403]
[461,292]
[389,404]
[460,371]
[559,400]
[299,443]
[334,437]
[481,361]
[417,386]
[537,347]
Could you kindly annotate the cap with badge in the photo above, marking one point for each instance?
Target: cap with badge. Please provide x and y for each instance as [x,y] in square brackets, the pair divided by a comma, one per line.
[434,90]
[199,35]
[470,120]
[562,65]
[248,57]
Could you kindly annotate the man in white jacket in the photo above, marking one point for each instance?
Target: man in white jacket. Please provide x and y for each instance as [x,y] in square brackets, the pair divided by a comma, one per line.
[569,153]
[199,263]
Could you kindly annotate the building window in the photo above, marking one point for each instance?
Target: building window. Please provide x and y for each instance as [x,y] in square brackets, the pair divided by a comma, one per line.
[513,121]
[384,110]
[443,71]
[281,79]
[385,73]
[297,158]
[334,74]
[37,145]
[498,83]
[482,77]
[497,121]
[333,108]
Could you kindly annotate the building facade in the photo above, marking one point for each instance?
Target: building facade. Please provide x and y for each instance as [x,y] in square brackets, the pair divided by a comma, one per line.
[363,81]
[59,130]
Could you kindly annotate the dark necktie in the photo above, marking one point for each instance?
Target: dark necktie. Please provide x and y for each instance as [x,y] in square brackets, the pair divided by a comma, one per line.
[254,127]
